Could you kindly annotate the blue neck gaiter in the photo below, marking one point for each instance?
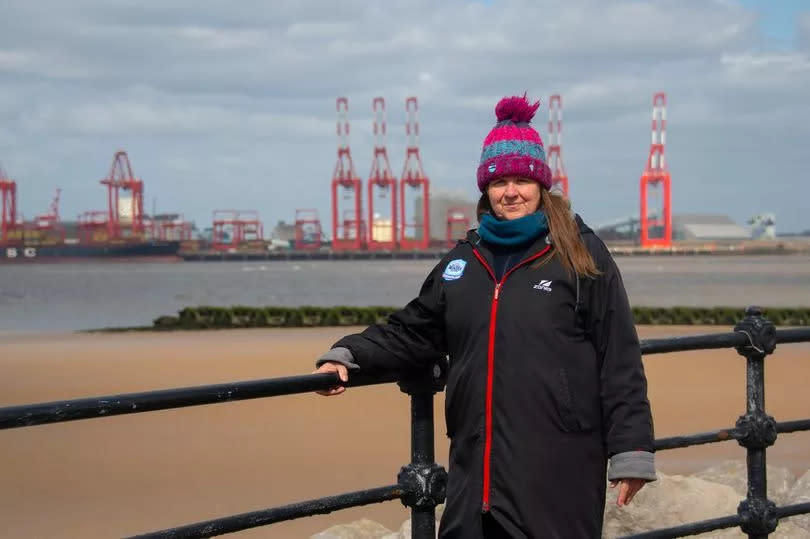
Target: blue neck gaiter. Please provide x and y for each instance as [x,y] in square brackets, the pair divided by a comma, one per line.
[515,232]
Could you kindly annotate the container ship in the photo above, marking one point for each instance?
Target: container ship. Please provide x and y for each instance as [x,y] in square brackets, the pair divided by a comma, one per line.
[142,251]
[92,238]
[121,232]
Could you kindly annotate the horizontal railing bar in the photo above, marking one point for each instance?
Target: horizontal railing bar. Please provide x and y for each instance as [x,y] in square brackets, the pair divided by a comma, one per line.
[793,426]
[693,528]
[723,435]
[87,408]
[711,437]
[793,510]
[254,519]
[708,341]
[149,401]
[703,526]
[784,336]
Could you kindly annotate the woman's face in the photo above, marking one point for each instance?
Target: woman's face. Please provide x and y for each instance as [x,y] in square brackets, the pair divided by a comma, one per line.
[513,197]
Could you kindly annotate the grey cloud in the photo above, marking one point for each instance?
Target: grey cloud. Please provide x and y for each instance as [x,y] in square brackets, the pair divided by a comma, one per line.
[803,25]
[232,101]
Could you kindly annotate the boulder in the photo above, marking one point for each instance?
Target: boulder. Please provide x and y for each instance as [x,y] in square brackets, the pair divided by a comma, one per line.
[670,501]
[800,493]
[734,474]
[675,500]
[404,531]
[359,529]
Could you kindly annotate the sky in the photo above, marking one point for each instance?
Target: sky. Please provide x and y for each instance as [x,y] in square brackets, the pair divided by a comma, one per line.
[224,105]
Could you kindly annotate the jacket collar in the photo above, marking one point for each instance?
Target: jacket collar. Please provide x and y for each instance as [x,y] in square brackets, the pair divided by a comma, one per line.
[474,239]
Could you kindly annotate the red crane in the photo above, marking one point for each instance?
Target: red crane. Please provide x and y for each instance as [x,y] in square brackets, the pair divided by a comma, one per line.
[8,201]
[559,179]
[172,229]
[348,231]
[656,225]
[414,233]
[124,214]
[93,227]
[48,227]
[234,229]
[307,230]
[382,232]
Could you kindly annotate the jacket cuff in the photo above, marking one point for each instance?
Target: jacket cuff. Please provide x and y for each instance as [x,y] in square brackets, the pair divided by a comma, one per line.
[338,355]
[632,465]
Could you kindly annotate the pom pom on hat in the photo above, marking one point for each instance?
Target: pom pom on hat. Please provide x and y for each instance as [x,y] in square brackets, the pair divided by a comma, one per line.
[513,147]
[516,109]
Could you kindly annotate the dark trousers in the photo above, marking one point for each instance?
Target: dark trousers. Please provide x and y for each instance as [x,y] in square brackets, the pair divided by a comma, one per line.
[492,529]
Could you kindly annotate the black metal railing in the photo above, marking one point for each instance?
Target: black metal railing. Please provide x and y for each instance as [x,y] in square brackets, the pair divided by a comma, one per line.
[421,483]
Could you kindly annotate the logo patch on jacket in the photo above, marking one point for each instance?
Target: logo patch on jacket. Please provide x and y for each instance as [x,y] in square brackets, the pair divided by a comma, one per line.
[545,286]
[454,269]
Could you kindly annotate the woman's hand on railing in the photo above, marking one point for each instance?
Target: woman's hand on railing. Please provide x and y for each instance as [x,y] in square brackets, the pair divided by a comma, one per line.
[627,489]
[343,373]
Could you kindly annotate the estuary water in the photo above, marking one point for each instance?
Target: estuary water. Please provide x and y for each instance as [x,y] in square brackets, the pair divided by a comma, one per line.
[57,297]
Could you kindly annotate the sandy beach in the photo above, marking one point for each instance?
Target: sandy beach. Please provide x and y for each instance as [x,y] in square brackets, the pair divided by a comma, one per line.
[127,475]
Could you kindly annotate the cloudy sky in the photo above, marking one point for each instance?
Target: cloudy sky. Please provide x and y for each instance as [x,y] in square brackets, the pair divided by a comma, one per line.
[232,104]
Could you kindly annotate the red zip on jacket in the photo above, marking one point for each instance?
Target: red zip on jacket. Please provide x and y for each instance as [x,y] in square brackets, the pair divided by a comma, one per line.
[491,363]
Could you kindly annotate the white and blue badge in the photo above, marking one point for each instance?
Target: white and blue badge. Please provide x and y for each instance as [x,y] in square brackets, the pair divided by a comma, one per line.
[491,169]
[454,270]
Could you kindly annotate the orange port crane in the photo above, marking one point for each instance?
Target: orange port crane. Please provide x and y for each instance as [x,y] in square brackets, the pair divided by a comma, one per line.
[174,229]
[8,201]
[237,228]
[382,231]
[656,222]
[48,227]
[414,230]
[559,179]
[124,214]
[307,230]
[348,230]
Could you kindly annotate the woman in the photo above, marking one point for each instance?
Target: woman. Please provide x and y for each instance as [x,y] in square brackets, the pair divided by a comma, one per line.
[545,383]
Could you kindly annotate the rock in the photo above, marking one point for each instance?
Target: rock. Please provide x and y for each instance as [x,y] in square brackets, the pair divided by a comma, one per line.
[670,501]
[405,529]
[734,474]
[675,500]
[359,529]
[800,493]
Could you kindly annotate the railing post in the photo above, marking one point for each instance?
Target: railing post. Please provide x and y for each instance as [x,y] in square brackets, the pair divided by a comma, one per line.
[423,481]
[758,514]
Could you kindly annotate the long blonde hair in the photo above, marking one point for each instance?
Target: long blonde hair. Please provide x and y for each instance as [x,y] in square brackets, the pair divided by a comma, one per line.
[569,248]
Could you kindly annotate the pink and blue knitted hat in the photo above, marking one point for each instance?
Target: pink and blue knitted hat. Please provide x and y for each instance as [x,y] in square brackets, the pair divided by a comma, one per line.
[513,147]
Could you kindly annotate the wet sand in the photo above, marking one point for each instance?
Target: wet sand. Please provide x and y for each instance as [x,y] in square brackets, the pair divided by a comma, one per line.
[132,474]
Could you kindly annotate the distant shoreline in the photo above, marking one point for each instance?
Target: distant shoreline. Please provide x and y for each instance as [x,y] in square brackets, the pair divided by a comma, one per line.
[793,247]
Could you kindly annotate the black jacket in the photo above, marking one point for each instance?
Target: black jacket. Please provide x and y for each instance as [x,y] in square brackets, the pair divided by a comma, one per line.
[545,383]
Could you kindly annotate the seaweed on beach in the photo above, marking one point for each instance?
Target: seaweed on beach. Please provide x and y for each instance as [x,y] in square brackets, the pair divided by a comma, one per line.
[241,316]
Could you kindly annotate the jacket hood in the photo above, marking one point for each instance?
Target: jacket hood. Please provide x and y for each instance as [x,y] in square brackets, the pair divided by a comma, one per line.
[583,228]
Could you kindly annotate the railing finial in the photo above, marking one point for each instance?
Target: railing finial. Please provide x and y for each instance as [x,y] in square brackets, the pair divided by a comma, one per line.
[760,331]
